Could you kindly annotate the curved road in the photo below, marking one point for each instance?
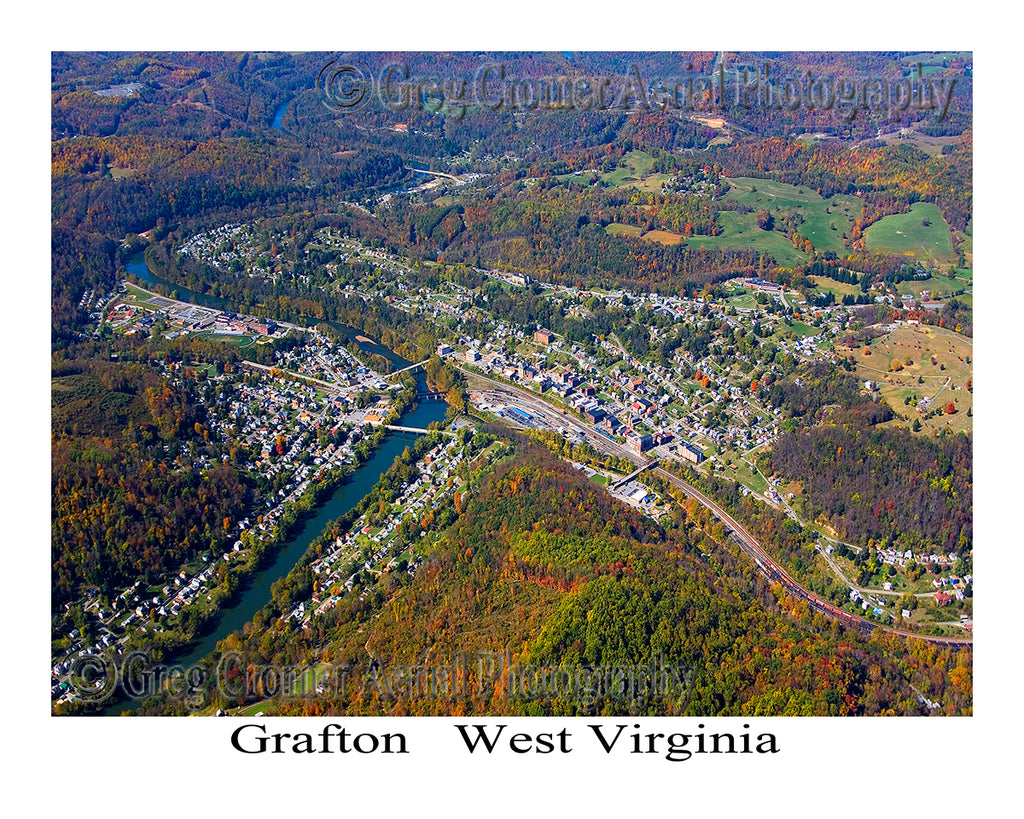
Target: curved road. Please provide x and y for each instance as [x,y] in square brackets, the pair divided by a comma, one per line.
[747,542]
[768,567]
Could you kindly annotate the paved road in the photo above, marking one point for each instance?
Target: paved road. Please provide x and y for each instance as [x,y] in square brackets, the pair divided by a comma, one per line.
[839,572]
[747,542]
[326,384]
[179,303]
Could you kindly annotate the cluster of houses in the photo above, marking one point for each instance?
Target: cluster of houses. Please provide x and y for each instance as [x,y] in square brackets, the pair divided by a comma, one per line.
[255,411]
[319,358]
[639,394]
[97,309]
[957,587]
[902,558]
[220,246]
[424,493]
[875,605]
[642,408]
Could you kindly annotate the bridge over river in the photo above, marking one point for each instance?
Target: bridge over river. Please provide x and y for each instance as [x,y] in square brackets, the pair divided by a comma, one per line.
[407,369]
[420,430]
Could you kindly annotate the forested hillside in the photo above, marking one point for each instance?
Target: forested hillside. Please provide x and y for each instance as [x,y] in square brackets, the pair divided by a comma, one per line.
[884,484]
[697,272]
[120,506]
[543,569]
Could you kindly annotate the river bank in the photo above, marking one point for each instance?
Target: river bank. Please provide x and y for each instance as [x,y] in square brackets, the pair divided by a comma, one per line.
[254,590]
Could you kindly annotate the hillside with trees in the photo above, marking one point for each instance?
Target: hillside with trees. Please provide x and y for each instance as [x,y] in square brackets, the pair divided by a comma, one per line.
[546,570]
[884,485]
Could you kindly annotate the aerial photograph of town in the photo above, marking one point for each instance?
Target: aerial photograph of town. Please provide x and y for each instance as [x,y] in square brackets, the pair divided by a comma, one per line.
[553,384]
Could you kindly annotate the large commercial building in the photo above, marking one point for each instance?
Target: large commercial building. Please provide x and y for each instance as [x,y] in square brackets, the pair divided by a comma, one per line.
[639,443]
[689,452]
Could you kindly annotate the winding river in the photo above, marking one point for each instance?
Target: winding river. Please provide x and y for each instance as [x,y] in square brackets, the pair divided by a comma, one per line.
[255,594]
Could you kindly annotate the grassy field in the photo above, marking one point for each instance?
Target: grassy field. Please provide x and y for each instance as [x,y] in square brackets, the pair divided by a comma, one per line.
[635,165]
[583,178]
[665,237]
[136,297]
[944,381]
[652,183]
[739,232]
[931,145]
[798,328]
[744,301]
[907,234]
[824,220]
[935,57]
[743,473]
[616,229]
[230,340]
[939,286]
[838,289]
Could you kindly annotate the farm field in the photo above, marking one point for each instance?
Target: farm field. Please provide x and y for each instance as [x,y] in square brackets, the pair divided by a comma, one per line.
[922,234]
[635,165]
[943,381]
[583,178]
[652,183]
[936,57]
[824,220]
[931,145]
[739,232]
[665,237]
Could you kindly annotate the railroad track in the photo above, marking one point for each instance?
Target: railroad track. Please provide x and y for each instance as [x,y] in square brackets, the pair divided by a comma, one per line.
[747,542]
[770,569]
